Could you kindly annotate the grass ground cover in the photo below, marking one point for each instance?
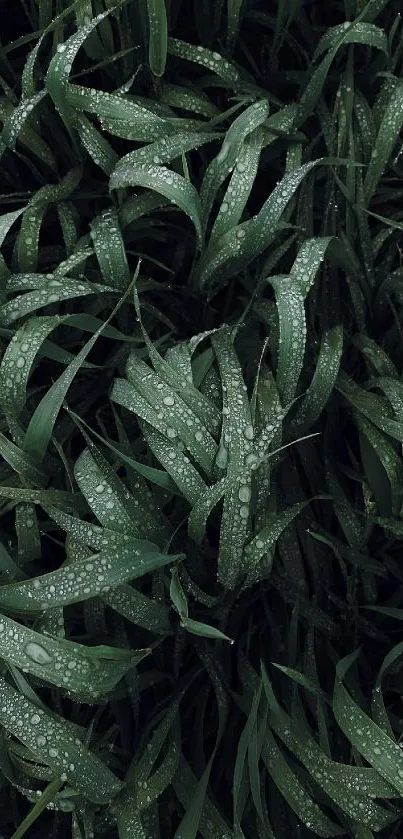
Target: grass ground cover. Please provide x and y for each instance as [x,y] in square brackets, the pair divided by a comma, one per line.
[201,398]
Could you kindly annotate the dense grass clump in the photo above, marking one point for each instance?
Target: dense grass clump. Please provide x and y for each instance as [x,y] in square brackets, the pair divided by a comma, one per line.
[201,401]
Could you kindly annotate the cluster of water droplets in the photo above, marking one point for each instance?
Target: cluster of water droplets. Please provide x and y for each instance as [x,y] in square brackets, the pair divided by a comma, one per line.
[211,60]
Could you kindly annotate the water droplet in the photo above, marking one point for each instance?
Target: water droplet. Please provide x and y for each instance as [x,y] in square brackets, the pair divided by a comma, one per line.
[199,436]
[244,511]
[37,653]
[251,461]
[169,400]
[41,740]
[35,719]
[171,433]
[244,494]
[222,457]
[248,432]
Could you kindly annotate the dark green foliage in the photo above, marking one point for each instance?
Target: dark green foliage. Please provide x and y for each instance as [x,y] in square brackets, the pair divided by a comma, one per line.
[201,400]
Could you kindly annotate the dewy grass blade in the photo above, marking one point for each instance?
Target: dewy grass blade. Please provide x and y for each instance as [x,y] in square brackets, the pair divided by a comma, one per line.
[20,462]
[51,742]
[237,440]
[125,599]
[164,181]
[205,58]
[96,144]
[241,183]
[17,121]
[234,8]
[384,754]
[74,667]
[52,291]
[114,506]
[110,250]
[389,459]
[42,422]
[309,258]
[18,359]
[292,324]
[293,790]
[113,566]
[240,246]
[266,539]
[387,137]
[158,36]
[43,497]
[147,395]
[323,381]
[165,150]
[176,370]
[360,33]
[57,78]
[118,115]
[351,788]
[176,463]
[221,166]
[31,223]
[194,101]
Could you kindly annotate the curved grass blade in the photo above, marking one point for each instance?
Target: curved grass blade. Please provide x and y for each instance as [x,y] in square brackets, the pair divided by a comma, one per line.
[387,137]
[351,788]
[347,33]
[95,144]
[15,124]
[205,58]
[74,667]
[119,115]
[294,792]
[28,237]
[112,503]
[387,457]
[114,565]
[240,185]
[309,258]
[165,150]
[360,33]
[323,381]
[236,439]
[237,248]
[50,741]
[42,422]
[266,539]
[221,166]
[57,77]
[292,324]
[383,753]
[164,181]
[110,250]
[176,463]
[18,359]
[147,395]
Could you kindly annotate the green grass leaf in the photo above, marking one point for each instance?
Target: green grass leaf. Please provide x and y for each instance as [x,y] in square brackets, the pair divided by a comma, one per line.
[158,38]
